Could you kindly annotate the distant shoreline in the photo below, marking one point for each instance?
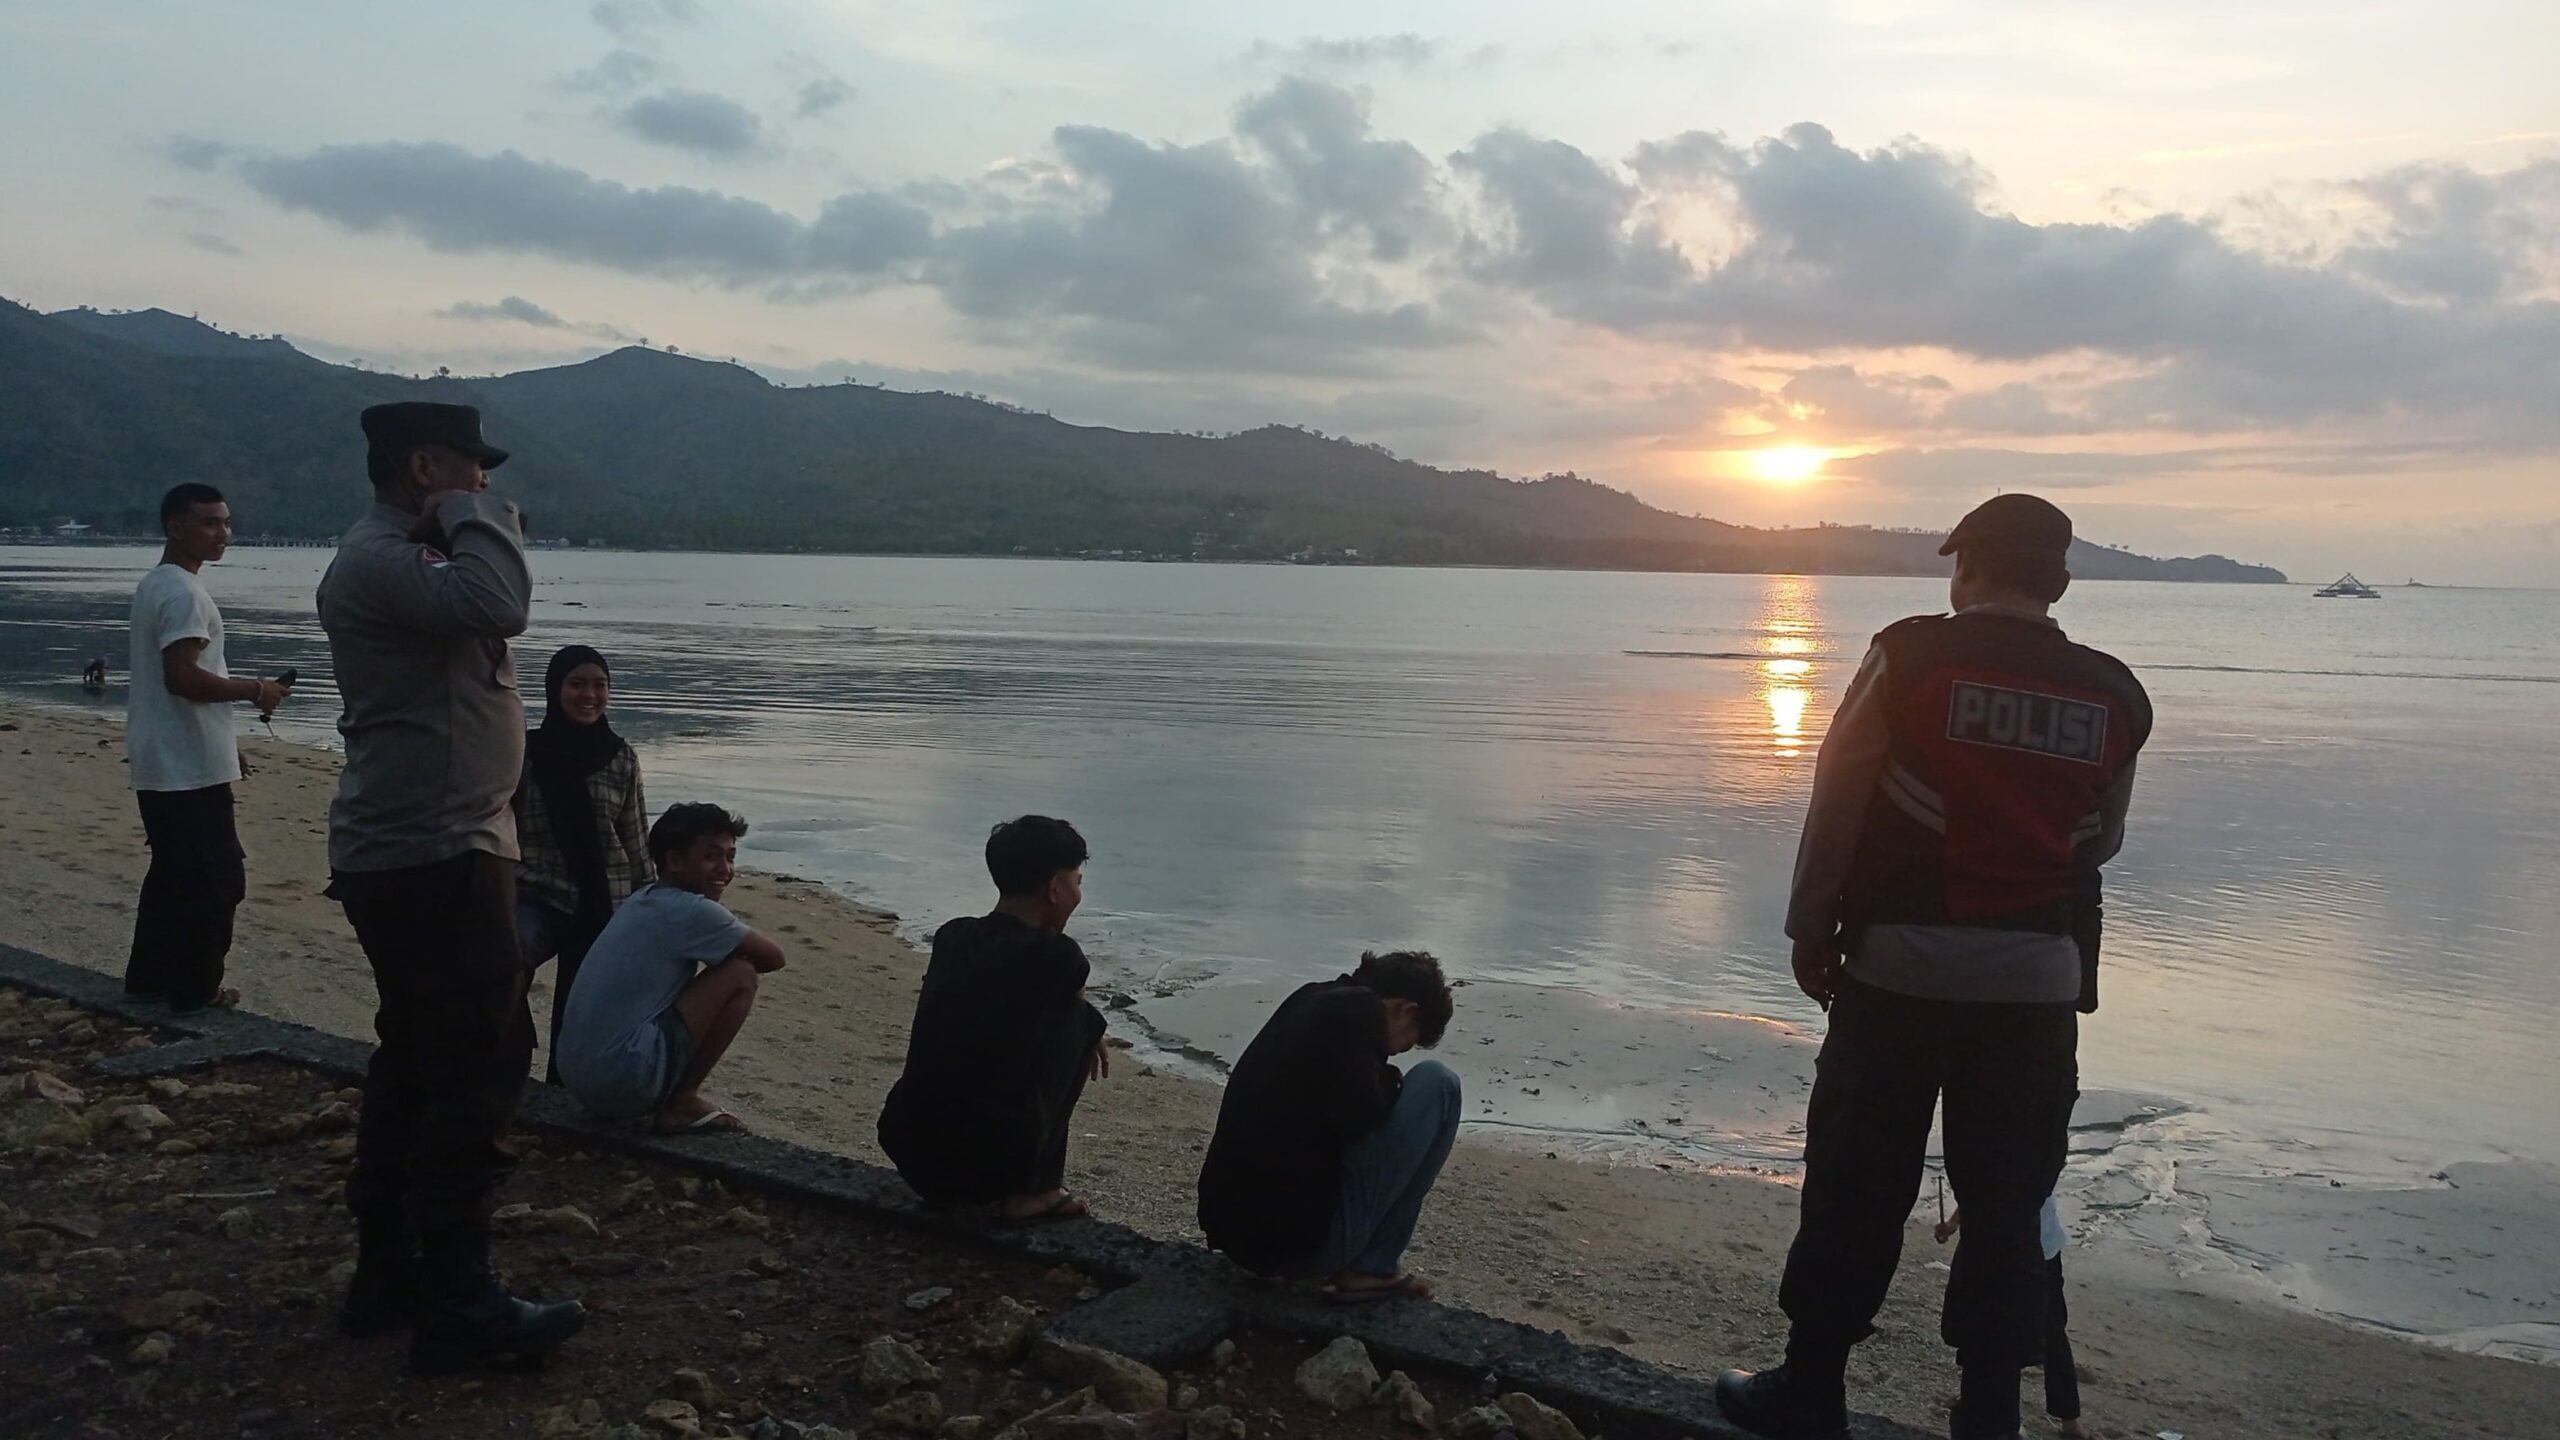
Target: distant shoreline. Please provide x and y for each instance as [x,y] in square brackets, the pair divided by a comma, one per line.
[269,542]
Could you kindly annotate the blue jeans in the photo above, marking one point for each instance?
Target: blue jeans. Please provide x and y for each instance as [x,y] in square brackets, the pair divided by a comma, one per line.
[1386,1174]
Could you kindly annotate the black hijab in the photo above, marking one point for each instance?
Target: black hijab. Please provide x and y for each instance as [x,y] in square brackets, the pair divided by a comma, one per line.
[559,755]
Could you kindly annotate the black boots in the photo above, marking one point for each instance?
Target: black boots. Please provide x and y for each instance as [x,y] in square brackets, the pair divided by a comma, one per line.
[1787,1403]
[466,1319]
[490,1328]
[384,1293]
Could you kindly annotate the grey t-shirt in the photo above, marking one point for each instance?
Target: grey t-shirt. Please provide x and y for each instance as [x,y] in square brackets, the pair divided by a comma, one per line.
[612,1055]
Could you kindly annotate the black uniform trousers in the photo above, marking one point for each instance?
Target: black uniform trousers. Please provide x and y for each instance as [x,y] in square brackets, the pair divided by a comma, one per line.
[2061,1372]
[456,1040]
[182,927]
[2008,1075]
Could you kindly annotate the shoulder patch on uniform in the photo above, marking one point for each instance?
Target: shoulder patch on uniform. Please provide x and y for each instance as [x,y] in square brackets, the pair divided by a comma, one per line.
[2010,718]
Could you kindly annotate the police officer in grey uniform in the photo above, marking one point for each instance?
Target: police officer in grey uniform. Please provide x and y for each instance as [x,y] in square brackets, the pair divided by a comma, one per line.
[418,607]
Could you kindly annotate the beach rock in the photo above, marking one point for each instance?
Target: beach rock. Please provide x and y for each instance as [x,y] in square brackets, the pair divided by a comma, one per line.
[770,1265]
[1534,1420]
[1001,1332]
[29,1123]
[1482,1423]
[1186,1397]
[69,1227]
[237,1223]
[583,1420]
[673,1417]
[224,1090]
[569,1220]
[152,1349]
[341,1148]
[278,1129]
[746,1221]
[1339,1376]
[44,1085]
[177,1148]
[164,1311]
[964,1427]
[918,1412]
[28,1240]
[166,1087]
[333,1117]
[695,1389]
[1117,1380]
[888,1365]
[927,1298]
[1222,1356]
[1400,1397]
[1215,1423]
[633,1196]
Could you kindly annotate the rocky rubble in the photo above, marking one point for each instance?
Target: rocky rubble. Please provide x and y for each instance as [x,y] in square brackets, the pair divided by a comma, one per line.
[172,1251]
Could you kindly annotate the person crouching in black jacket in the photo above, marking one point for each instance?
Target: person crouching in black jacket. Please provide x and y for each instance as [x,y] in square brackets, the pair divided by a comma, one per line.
[1003,1040]
[1324,1151]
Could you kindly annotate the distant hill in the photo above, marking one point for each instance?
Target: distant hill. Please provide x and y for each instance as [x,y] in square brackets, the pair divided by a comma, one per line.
[169,334]
[648,449]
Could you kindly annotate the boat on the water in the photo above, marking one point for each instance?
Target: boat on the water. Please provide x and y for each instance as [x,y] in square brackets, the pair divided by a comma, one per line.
[2347,588]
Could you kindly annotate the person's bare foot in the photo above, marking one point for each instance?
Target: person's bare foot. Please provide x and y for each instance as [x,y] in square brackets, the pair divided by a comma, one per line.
[225,998]
[1350,1287]
[1047,1205]
[2073,1429]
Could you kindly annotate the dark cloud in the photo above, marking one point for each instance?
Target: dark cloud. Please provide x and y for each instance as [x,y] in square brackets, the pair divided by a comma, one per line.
[1165,256]
[1304,242]
[194,152]
[630,18]
[822,95]
[455,200]
[2450,233]
[1566,229]
[213,244]
[1969,471]
[1405,51]
[1317,137]
[519,310]
[621,71]
[693,120]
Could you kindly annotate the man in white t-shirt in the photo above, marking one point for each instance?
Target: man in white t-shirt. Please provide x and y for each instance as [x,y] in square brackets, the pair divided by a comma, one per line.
[184,755]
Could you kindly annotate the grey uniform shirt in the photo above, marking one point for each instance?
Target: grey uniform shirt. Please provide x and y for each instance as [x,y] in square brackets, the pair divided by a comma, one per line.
[433,723]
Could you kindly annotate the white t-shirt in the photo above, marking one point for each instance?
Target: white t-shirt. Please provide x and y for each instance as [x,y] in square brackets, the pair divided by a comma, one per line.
[176,743]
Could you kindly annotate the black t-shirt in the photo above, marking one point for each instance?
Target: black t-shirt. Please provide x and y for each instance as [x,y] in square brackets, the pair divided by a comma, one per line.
[1314,1081]
[1000,1021]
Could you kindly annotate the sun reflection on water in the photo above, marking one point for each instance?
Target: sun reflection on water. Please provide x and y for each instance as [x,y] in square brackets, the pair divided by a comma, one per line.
[1789,610]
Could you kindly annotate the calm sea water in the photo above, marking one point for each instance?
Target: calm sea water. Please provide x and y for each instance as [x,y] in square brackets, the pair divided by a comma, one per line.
[2332,927]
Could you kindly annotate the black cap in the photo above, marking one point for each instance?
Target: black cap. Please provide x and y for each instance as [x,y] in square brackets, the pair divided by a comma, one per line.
[404,426]
[2019,524]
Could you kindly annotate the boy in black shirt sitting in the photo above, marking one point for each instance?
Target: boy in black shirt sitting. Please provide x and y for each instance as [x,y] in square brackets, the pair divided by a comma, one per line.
[1324,1151]
[1003,1040]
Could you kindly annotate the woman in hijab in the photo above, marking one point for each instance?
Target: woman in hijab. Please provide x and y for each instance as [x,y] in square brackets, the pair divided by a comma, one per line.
[580,821]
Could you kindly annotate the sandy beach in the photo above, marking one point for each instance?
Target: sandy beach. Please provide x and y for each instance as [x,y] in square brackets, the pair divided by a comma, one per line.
[1679,1267]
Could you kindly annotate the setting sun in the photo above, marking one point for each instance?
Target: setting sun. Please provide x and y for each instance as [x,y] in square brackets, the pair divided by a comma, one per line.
[1788,464]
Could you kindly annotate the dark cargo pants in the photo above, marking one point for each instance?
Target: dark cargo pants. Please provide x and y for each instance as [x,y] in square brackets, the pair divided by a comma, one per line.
[456,1039]
[2007,1076]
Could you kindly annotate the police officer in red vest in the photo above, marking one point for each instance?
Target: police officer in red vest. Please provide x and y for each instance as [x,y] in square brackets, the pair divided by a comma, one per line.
[1945,913]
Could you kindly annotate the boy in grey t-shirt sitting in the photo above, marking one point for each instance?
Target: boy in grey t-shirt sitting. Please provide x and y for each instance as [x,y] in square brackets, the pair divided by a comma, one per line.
[643,1028]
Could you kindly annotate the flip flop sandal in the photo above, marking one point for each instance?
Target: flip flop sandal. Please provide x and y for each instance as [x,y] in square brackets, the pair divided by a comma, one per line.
[1402,1289]
[700,1124]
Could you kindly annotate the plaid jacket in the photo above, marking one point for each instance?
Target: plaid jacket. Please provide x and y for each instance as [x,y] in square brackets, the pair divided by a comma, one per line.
[622,827]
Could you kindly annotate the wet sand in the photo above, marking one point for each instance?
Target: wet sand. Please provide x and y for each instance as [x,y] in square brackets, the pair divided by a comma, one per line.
[1675,1263]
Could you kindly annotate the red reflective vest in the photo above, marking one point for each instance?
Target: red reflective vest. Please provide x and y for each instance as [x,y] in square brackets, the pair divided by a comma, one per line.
[2006,738]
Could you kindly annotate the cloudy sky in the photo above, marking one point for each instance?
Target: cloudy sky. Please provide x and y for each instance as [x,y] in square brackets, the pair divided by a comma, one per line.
[2279,279]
